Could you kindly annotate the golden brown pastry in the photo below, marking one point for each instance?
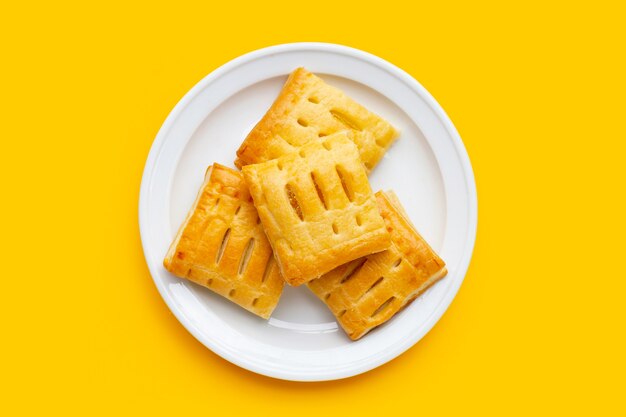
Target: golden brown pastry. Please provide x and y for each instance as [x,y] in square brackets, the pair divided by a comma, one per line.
[222,246]
[308,109]
[317,208]
[367,292]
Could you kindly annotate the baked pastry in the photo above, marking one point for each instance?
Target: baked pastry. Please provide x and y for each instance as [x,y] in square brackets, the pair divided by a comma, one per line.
[367,292]
[317,208]
[222,246]
[308,109]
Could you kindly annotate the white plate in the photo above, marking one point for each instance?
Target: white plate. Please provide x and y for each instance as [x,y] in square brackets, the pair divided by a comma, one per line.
[427,167]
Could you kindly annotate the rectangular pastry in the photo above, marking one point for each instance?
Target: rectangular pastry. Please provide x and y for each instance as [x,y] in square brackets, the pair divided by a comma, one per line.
[369,291]
[317,208]
[308,109]
[222,246]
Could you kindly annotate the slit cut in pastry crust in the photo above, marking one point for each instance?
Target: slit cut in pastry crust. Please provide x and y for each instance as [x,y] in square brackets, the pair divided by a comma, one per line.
[222,246]
[307,109]
[317,208]
[367,292]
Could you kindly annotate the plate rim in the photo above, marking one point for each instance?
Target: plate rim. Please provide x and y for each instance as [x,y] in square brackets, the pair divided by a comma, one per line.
[458,146]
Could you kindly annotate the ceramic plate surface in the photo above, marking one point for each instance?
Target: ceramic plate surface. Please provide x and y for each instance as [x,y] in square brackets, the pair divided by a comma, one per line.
[428,168]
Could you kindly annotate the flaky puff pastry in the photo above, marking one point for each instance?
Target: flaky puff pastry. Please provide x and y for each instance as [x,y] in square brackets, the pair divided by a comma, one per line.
[222,246]
[308,109]
[367,292]
[317,208]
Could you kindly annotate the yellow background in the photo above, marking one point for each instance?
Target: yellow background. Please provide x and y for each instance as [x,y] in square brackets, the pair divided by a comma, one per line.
[537,94]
